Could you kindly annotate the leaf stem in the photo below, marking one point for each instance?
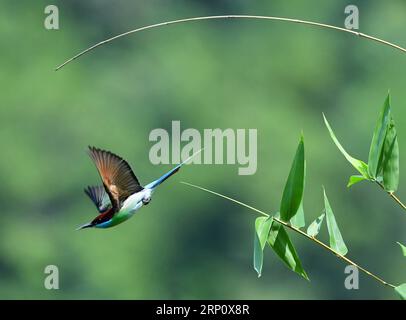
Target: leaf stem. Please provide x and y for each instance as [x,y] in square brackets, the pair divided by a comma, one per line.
[297,230]
[392,195]
[325,246]
[290,20]
[225,197]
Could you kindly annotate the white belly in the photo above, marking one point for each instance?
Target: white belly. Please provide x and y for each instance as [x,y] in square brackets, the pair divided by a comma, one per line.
[134,202]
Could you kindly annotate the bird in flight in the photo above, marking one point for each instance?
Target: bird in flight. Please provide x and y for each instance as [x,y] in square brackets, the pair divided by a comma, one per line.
[121,194]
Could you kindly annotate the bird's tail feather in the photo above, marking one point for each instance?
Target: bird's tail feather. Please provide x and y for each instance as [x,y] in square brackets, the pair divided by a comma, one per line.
[157,182]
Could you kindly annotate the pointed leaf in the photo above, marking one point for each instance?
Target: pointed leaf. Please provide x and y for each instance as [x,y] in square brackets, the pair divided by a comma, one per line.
[361,166]
[298,219]
[390,163]
[262,227]
[314,228]
[293,192]
[336,240]
[378,139]
[355,179]
[401,291]
[403,248]
[280,242]
[258,255]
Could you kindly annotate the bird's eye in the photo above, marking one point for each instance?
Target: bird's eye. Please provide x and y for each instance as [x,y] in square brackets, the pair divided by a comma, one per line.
[146,200]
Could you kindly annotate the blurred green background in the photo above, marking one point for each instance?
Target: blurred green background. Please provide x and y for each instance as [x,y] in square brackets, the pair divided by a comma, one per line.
[186,244]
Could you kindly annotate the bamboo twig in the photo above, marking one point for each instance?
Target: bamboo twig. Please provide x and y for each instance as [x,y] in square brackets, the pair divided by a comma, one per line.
[288,225]
[290,20]
[392,195]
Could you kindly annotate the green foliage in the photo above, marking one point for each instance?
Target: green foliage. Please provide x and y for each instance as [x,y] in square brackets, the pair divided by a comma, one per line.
[282,245]
[361,166]
[291,209]
[272,229]
[298,220]
[378,140]
[355,179]
[314,228]
[293,192]
[390,162]
[262,227]
[401,291]
[336,240]
[383,160]
[403,248]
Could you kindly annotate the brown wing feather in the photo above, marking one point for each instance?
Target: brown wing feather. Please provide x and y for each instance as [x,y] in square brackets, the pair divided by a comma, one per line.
[118,178]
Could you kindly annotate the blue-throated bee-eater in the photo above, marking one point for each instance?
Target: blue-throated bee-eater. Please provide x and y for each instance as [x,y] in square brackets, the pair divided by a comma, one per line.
[121,194]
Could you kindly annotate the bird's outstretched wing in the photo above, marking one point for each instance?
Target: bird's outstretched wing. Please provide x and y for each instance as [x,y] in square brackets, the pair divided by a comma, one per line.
[118,179]
[99,197]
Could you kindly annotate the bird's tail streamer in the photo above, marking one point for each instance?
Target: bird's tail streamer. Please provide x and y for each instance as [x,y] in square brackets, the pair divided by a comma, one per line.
[157,182]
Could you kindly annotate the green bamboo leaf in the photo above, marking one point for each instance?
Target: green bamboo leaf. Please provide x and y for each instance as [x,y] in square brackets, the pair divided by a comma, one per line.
[390,163]
[262,227]
[314,228]
[282,245]
[403,248]
[258,255]
[360,165]
[298,219]
[378,139]
[336,240]
[355,179]
[401,291]
[293,192]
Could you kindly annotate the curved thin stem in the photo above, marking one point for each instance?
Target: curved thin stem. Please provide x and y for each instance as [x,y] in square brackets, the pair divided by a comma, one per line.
[161,24]
[227,198]
[322,244]
[392,195]
[288,225]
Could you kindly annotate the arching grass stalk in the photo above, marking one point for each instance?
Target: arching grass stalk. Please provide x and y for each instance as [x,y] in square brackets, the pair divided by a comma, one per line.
[297,230]
[289,20]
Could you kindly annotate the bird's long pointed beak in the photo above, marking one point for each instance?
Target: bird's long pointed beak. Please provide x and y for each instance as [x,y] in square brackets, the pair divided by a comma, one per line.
[87,225]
